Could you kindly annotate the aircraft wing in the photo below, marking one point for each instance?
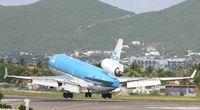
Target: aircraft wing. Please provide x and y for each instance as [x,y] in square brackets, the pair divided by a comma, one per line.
[56,78]
[65,81]
[145,81]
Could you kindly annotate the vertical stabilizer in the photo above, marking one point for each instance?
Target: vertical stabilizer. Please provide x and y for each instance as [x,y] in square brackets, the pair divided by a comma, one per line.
[117,52]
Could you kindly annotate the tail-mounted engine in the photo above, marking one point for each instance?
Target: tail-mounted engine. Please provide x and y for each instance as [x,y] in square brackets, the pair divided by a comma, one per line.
[112,67]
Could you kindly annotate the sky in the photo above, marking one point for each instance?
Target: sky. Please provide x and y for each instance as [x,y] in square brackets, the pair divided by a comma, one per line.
[142,6]
[17,2]
[137,6]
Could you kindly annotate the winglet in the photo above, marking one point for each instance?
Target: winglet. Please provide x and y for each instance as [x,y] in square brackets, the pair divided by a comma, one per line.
[6,73]
[194,73]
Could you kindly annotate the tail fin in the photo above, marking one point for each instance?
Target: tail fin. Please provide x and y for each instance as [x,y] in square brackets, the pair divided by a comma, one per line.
[117,52]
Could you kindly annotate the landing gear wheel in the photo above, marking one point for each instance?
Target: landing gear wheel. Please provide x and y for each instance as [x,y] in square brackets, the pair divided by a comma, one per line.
[88,94]
[103,96]
[71,95]
[107,95]
[68,95]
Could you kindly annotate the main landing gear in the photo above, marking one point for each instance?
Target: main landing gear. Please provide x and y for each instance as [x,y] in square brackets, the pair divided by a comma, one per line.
[107,95]
[88,94]
[68,95]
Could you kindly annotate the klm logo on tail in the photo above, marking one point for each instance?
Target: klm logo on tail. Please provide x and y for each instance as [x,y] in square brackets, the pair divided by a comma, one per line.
[115,57]
[117,51]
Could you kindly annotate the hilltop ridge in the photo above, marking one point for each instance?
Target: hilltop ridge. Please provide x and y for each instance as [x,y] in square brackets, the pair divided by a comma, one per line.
[51,26]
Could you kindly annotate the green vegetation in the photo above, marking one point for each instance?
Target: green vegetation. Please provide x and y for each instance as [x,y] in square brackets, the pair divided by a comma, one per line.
[22,107]
[152,97]
[175,29]
[54,26]
[5,106]
[21,69]
[62,26]
[135,70]
[1,95]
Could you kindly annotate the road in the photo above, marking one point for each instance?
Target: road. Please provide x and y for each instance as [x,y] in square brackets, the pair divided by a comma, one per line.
[63,104]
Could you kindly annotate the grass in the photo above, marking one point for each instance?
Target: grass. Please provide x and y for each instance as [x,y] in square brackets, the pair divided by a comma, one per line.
[14,92]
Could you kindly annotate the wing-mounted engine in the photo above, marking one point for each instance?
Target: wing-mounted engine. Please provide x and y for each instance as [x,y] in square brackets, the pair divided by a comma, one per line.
[45,82]
[33,84]
[72,87]
[112,67]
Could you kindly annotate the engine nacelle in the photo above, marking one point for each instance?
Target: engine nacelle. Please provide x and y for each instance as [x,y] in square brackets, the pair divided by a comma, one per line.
[112,67]
[49,83]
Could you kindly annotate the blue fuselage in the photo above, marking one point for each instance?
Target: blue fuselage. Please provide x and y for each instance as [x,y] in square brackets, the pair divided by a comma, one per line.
[83,71]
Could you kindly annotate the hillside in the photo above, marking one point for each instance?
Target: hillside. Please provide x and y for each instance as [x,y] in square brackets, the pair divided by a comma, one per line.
[53,26]
[65,25]
[176,29]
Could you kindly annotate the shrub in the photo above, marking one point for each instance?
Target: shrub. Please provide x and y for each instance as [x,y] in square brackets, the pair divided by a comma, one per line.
[22,107]
[5,106]
[1,95]
[181,94]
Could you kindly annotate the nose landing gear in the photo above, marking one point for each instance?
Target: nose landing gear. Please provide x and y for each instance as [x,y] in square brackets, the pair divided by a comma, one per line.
[88,94]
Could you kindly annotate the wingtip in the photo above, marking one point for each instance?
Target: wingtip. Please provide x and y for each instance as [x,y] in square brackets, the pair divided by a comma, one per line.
[6,73]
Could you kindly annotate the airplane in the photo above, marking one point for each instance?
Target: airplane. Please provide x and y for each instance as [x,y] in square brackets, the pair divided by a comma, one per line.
[77,76]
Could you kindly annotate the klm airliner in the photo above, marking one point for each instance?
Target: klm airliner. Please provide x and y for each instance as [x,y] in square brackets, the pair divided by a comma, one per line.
[77,76]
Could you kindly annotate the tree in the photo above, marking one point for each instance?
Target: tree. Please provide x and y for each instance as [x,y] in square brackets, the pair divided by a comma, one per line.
[133,70]
[1,95]
[22,62]
[9,61]
[197,80]
[35,71]
[22,107]
[39,64]
[135,67]
[179,71]
[5,106]
[2,60]
[160,71]
[149,70]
